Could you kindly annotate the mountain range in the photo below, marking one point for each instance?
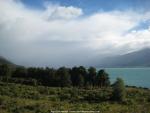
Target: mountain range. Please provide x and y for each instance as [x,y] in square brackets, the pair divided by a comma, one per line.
[140,58]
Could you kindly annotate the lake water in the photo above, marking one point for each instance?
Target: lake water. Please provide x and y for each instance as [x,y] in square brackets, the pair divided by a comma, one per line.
[132,76]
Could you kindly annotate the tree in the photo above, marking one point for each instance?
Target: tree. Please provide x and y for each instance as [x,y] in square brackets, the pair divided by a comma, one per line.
[5,70]
[32,72]
[82,76]
[64,77]
[91,76]
[80,80]
[102,79]
[50,77]
[77,76]
[20,72]
[119,92]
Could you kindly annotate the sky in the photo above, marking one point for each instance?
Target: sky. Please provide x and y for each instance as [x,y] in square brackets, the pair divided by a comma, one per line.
[71,32]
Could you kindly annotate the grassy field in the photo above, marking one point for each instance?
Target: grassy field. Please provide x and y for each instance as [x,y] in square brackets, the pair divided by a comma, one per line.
[16,98]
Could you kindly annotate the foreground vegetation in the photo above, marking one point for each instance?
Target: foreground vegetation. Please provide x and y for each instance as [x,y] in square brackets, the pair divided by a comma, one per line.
[42,90]
[16,98]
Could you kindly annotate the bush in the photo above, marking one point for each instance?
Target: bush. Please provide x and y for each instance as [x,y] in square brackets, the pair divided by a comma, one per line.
[119,92]
[148,100]
[65,96]
[129,102]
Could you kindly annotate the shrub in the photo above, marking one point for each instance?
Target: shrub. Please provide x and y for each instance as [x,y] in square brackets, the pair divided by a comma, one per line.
[63,96]
[119,91]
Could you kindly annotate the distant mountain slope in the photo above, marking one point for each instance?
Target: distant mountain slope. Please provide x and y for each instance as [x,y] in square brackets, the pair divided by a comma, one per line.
[5,61]
[139,58]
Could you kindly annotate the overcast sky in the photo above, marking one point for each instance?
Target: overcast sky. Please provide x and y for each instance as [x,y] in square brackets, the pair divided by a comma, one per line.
[71,32]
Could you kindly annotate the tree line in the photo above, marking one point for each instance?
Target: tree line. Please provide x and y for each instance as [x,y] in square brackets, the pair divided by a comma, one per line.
[61,77]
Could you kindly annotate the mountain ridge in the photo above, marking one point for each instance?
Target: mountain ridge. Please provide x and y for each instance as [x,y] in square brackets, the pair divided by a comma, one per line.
[140,58]
[6,61]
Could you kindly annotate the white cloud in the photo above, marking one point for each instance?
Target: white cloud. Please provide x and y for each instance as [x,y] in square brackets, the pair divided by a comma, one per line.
[58,35]
[62,12]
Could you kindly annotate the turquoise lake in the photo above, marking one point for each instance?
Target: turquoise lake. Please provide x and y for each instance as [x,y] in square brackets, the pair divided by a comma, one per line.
[132,76]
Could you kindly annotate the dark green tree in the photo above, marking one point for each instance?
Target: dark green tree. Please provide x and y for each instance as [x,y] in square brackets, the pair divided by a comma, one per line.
[80,80]
[102,79]
[5,70]
[119,92]
[77,76]
[91,76]
[50,77]
[83,76]
[20,72]
[32,72]
[64,77]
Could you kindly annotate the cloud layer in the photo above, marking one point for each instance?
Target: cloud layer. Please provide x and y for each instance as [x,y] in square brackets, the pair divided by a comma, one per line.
[60,35]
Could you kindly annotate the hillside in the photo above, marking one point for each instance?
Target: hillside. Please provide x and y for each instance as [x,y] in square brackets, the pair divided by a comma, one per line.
[9,63]
[139,58]
[5,61]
